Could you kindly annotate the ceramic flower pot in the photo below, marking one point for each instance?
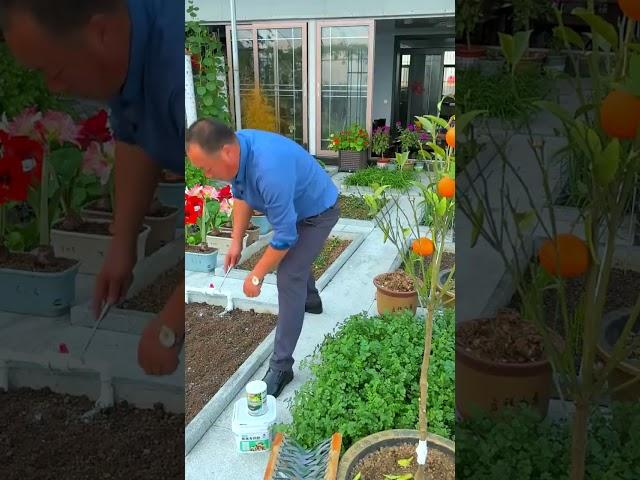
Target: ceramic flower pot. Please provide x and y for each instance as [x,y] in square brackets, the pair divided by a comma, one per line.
[205,261]
[389,301]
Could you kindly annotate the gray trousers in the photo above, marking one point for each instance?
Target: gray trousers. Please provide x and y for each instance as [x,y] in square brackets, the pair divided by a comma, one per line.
[296,284]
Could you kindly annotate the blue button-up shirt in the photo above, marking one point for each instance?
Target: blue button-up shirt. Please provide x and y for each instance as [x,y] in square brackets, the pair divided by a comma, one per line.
[280,178]
[149,110]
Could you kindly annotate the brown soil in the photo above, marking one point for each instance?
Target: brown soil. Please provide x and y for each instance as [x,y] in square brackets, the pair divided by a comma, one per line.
[397,282]
[504,339]
[157,210]
[88,227]
[43,436]
[216,347]
[153,298]
[332,249]
[198,249]
[220,234]
[30,263]
[353,207]
[385,462]
[249,228]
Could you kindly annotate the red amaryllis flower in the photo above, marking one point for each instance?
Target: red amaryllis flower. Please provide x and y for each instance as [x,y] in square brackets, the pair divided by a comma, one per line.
[94,129]
[27,152]
[224,193]
[14,182]
[193,207]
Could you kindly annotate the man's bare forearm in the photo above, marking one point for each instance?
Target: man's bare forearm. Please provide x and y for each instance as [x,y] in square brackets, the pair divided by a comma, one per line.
[269,261]
[242,213]
[136,179]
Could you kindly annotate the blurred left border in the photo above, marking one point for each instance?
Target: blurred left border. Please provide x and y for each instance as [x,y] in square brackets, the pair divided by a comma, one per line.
[91,239]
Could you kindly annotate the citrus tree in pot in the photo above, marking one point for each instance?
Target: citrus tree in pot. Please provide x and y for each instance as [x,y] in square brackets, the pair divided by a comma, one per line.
[610,147]
[440,201]
[352,145]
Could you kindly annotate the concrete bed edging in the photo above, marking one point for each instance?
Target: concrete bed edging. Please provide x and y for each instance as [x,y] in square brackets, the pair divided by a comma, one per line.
[204,420]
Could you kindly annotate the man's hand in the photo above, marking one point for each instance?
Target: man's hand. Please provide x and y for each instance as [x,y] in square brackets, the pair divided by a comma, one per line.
[152,356]
[249,289]
[116,275]
[232,257]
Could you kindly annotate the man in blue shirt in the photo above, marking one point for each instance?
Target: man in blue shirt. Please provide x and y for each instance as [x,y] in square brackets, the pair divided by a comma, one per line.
[274,175]
[129,53]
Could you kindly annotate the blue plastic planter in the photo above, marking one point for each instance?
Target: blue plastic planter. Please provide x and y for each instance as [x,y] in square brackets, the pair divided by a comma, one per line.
[172,194]
[262,223]
[37,293]
[200,262]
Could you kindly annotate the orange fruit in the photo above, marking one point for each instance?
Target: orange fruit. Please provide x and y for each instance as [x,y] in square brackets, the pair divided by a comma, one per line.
[451,137]
[423,246]
[631,8]
[567,256]
[620,115]
[447,187]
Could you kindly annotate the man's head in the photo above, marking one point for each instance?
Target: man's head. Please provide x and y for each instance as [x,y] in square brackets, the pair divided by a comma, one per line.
[213,147]
[80,46]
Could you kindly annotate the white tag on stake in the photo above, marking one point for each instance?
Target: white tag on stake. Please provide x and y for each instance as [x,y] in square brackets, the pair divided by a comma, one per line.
[421,452]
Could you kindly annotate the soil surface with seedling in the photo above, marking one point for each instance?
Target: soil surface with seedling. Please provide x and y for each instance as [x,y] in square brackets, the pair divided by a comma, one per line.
[354,207]
[154,297]
[198,249]
[505,339]
[396,282]
[332,249]
[216,347]
[30,263]
[384,464]
[44,435]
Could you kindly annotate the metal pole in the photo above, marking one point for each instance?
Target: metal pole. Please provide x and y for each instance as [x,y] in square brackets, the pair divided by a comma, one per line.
[236,67]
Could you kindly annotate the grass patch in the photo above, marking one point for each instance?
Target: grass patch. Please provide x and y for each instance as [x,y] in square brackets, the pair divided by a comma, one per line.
[354,207]
[396,179]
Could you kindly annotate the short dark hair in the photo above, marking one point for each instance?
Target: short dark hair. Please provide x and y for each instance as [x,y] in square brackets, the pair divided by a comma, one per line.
[59,16]
[210,134]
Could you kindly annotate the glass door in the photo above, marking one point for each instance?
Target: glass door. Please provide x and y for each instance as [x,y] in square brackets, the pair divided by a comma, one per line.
[273,72]
[344,78]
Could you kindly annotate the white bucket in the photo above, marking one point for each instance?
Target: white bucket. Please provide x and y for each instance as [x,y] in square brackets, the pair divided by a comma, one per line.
[253,434]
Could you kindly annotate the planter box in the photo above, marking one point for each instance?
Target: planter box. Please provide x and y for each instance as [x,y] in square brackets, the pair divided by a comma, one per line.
[172,194]
[223,244]
[351,161]
[90,249]
[262,223]
[252,235]
[200,262]
[38,293]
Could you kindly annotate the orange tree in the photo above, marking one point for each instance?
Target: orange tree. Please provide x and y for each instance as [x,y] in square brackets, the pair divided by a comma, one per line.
[403,224]
[603,132]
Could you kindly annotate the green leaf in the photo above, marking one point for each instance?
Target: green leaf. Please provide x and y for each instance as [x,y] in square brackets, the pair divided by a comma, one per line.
[15,241]
[593,141]
[440,153]
[437,120]
[598,25]
[405,462]
[464,120]
[358,476]
[406,232]
[201,90]
[524,219]
[66,163]
[441,209]
[478,222]
[571,35]
[514,46]
[607,164]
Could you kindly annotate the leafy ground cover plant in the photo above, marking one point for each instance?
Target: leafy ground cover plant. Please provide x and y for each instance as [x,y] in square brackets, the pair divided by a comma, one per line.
[396,179]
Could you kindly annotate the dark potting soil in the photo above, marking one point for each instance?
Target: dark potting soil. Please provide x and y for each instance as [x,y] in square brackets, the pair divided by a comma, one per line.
[157,211]
[332,249]
[43,436]
[385,462]
[198,249]
[88,227]
[216,347]
[504,339]
[30,263]
[220,234]
[397,282]
[153,298]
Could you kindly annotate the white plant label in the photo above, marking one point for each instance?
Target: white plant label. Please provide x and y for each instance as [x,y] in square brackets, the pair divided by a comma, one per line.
[421,452]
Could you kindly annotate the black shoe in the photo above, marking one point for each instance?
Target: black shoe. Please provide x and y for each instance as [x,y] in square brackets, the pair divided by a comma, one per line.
[276,380]
[313,306]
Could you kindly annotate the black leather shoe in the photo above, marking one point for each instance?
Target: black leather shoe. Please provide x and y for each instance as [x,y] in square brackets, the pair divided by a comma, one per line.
[276,380]
[313,306]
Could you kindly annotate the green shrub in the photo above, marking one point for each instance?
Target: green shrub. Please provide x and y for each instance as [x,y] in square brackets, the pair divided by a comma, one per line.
[366,378]
[397,179]
[518,445]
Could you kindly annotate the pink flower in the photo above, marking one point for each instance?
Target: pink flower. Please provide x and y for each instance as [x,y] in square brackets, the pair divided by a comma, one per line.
[209,192]
[24,124]
[59,127]
[195,191]
[98,160]
[206,192]
[62,348]
[226,206]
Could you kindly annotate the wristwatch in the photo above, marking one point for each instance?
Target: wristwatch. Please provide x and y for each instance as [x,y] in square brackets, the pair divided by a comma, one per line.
[167,337]
[255,280]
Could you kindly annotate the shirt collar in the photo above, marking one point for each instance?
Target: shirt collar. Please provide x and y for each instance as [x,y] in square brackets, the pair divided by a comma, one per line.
[140,23]
[245,151]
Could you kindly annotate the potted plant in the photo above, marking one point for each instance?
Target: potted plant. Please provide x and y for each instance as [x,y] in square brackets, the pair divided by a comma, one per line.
[524,13]
[253,231]
[380,141]
[198,256]
[468,14]
[218,207]
[38,283]
[395,291]
[556,58]
[440,201]
[352,145]
[409,142]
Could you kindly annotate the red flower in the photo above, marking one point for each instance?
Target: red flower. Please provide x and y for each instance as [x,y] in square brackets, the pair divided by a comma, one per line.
[62,348]
[28,152]
[94,129]
[14,182]
[192,209]
[224,193]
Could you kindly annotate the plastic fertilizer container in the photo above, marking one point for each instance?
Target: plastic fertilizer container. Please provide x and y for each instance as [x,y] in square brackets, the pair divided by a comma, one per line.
[253,434]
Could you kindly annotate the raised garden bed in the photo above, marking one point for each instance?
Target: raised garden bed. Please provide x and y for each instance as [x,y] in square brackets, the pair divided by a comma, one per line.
[44,435]
[153,298]
[332,249]
[354,207]
[216,347]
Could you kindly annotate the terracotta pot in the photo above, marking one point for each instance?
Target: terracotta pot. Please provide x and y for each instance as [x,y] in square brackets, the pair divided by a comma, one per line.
[627,370]
[489,386]
[389,438]
[390,301]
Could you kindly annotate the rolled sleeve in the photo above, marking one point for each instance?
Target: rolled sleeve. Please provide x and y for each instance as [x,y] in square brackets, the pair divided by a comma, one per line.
[120,126]
[278,197]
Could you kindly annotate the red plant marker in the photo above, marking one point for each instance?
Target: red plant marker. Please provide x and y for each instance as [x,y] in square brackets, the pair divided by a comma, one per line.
[62,348]
[211,285]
